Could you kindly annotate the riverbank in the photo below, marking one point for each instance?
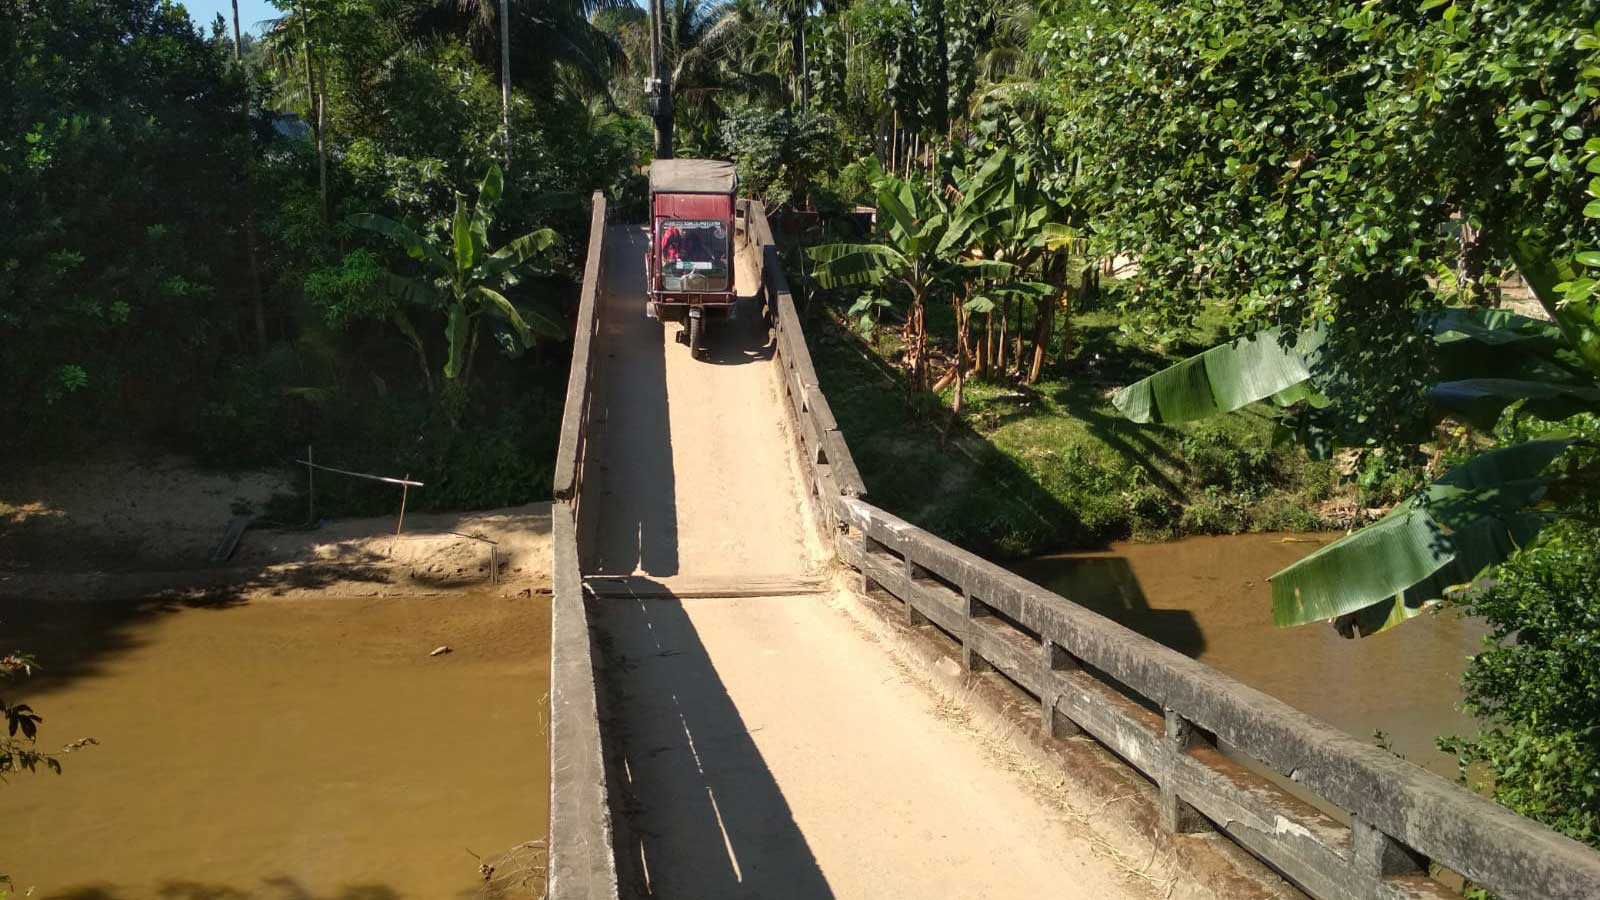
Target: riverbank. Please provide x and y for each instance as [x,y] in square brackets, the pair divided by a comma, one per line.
[330,713]
[1032,469]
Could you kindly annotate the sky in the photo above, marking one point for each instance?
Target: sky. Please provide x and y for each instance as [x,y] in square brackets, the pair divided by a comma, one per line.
[251,12]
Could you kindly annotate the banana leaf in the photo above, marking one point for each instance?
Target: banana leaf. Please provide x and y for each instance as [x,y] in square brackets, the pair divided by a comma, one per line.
[466,246]
[841,265]
[518,251]
[1480,401]
[1472,518]
[483,210]
[455,330]
[414,244]
[508,311]
[1225,378]
[408,290]
[1495,327]
[1233,375]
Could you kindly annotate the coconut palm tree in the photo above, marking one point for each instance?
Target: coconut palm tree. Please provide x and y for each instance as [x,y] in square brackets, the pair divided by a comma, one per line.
[707,46]
[552,40]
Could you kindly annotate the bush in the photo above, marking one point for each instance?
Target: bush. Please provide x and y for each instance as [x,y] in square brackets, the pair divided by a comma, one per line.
[1536,685]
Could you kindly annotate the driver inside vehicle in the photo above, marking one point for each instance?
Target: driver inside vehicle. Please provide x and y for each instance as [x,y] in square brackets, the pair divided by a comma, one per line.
[695,243]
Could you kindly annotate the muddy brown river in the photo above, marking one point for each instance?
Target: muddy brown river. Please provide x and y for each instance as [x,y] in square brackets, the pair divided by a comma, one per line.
[283,748]
[1208,597]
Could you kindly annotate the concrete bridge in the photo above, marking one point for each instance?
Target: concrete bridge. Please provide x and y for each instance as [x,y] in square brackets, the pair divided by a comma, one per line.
[763,686]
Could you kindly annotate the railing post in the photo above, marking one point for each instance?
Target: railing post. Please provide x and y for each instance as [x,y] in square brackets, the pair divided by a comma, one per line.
[1054,659]
[1177,816]
[1380,856]
[913,572]
[971,661]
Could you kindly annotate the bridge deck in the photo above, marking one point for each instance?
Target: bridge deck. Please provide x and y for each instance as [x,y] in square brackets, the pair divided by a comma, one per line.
[771,749]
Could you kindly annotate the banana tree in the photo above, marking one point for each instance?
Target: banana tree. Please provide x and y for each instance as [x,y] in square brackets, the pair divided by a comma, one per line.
[917,253]
[1005,215]
[465,278]
[1472,518]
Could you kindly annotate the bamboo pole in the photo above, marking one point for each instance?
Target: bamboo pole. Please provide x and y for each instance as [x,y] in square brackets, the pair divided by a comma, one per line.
[311,485]
[405,490]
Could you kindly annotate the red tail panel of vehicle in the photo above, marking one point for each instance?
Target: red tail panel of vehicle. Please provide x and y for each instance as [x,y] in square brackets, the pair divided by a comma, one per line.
[717,207]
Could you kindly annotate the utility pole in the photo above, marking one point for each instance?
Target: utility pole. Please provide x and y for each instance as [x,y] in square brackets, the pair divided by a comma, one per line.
[505,75]
[658,87]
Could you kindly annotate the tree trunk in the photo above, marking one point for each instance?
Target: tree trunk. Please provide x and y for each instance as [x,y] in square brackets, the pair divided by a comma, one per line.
[322,144]
[314,113]
[982,359]
[916,344]
[251,239]
[1016,339]
[505,76]
[894,138]
[1000,344]
[963,323]
[1043,326]
[472,352]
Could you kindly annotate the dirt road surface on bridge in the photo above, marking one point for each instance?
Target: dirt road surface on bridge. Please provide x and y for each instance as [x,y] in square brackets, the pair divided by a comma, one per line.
[770,749]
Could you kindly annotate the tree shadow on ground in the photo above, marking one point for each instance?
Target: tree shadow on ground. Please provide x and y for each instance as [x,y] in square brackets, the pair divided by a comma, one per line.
[74,629]
[910,458]
[1107,585]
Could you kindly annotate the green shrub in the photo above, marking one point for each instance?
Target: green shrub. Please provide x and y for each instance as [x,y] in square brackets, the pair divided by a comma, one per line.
[1536,685]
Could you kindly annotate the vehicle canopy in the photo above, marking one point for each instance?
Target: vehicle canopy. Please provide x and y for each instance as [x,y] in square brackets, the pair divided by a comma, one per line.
[693,176]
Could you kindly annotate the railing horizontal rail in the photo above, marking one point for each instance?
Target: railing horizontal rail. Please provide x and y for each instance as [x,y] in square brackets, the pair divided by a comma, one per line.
[575,419]
[582,856]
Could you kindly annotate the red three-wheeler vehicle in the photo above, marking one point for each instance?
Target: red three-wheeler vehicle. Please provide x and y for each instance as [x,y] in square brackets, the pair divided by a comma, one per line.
[690,260]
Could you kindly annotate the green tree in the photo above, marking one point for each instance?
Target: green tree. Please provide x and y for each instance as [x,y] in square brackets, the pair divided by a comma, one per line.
[465,277]
[120,229]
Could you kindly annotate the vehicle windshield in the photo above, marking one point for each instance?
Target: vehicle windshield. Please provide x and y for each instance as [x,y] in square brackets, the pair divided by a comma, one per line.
[694,255]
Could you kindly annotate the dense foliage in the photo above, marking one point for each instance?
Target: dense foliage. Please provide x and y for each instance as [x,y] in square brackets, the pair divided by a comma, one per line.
[122,152]
[1536,685]
[182,261]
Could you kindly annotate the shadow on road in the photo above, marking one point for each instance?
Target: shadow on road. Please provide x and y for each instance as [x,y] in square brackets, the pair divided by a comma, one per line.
[740,339]
[638,509]
[699,812]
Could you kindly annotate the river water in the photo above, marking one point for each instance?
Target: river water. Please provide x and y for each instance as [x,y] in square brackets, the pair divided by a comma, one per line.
[281,749]
[1208,597]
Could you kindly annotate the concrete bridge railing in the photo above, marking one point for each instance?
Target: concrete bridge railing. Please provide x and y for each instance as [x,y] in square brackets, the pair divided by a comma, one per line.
[582,863]
[1168,716]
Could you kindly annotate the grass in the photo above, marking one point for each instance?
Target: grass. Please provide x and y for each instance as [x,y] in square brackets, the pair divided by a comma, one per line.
[1028,470]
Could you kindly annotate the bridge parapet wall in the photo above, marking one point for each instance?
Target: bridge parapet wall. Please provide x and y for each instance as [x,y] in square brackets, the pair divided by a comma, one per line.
[1168,716]
[832,470]
[582,858]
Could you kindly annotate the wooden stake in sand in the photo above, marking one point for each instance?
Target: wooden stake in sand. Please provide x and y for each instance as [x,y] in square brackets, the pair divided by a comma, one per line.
[405,489]
[406,484]
[311,485]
